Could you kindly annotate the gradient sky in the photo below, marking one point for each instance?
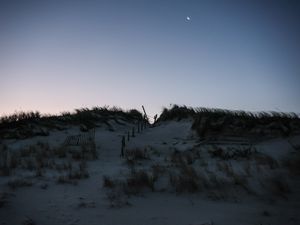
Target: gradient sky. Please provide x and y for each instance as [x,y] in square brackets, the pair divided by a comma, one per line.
[60,55]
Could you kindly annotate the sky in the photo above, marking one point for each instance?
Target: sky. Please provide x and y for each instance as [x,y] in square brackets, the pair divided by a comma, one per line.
[56,56]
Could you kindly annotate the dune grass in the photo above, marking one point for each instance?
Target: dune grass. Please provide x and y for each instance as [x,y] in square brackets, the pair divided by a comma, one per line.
[215,122]
[28,124]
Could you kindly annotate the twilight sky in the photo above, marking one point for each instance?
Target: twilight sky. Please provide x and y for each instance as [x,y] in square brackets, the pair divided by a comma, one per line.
[60,55]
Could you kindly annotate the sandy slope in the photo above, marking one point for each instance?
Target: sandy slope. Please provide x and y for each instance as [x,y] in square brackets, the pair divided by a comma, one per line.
[87,203]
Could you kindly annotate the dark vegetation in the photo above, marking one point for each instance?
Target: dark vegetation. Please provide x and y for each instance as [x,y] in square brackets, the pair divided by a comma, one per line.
[68,164]
[28,124]
[223,178]
[219,122]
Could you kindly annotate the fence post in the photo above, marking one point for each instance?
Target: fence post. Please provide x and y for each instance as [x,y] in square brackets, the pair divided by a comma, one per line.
[133,132]
[122,146]
[128,136]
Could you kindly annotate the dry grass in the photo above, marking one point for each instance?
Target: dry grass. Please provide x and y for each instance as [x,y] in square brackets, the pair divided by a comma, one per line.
[4,196]
[217,122]
[184,157]
[266,160]
[293,164]
[134,184]
[28,221]
[108,182]
[132,156]
[19,182]
[188,180]
[117,198]
[137,182]
[228,153]
[276,185]
[74,174]
[38,159]
[85,204]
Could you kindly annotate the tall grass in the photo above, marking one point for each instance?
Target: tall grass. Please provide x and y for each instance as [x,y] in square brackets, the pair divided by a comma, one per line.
[214,121]
[28,124]
[176,112]
[20,117]
[180,112]
[90,116]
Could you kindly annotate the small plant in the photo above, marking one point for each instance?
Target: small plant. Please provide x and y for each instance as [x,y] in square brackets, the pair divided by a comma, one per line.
[266,213]
[278,186]
[60,152]
[108,182]
[188,180]
[158,170]
[184,157]
[231,152]
[182,183]
[132,155]
[156,152]
[28,221]
[3,199]
[293,164]
[117,198]
[29,164]
[78,175]
[84,204]
[38,172]
[266,160]
[20,182]
[137,182]
[8,161]
[66,180]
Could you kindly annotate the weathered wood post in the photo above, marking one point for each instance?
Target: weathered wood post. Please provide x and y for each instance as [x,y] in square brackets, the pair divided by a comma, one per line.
[122,146]
[155,118]
[138,124]
[141,125]
[145,123]
[145,117]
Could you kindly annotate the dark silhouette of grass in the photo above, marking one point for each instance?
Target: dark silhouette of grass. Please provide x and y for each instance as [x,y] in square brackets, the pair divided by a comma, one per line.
[215,122]
[19,117]
[28,124]
[176,112]
[181,112]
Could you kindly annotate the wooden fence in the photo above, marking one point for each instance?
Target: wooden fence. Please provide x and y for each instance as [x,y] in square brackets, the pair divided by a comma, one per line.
[81,139]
